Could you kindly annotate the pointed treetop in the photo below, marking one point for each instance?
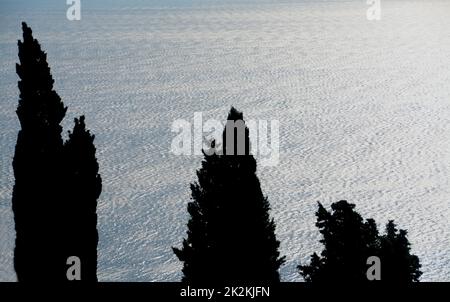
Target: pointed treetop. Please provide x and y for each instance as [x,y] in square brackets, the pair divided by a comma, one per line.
[235,115]
[28,36]
[39,105]
[391,228]
[26,29]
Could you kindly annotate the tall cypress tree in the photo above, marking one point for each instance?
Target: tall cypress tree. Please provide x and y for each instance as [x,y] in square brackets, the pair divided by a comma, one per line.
[348,243]
[56,186]
[230,235]
[36,194]
[83,188]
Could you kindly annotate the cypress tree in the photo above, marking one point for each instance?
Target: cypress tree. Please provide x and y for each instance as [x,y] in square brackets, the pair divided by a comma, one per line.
[84,186]
[230,236]
[347,240]
[348,243]
[397,263]
[36,197]
[56,185]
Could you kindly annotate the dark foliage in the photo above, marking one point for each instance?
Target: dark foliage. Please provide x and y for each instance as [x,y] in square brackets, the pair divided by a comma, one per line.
[230,235]
[48,209]
[348,243]
[36,197]
[84,186]
[397,263]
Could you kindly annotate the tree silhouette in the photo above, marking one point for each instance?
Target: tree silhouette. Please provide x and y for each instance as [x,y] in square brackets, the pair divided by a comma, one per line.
[230,235]
[56,186]
[36,163]
[397,263]
[348,243]
[84,186]
[347,240]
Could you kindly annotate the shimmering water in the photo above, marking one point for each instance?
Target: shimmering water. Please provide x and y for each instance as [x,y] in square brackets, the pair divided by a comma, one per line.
[364,111]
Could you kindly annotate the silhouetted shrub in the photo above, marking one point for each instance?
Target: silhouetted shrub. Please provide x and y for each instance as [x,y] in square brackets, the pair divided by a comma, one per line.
[348,243]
